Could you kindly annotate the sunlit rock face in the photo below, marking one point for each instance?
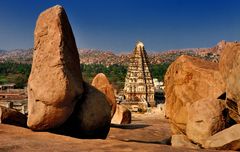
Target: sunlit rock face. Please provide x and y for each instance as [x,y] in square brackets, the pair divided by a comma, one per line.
[229,66]
[101,82]
[55,82]
[187,80]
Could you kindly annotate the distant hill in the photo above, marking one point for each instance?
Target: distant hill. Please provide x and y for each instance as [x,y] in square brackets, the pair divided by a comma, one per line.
[93,56]
[17,55]
[109,58]
[90,56]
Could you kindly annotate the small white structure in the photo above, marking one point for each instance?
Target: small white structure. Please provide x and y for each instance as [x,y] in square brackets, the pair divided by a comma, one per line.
[7,86]
[158,85]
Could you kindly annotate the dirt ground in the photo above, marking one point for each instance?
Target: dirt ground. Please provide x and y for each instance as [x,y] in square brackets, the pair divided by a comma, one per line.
[145,128]
[148,132]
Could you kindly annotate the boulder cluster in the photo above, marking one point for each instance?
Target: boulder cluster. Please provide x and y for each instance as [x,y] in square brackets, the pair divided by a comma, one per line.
[59,100]
[203,100]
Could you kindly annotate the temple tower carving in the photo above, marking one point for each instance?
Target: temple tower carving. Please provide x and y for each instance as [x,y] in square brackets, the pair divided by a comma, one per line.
[138,82]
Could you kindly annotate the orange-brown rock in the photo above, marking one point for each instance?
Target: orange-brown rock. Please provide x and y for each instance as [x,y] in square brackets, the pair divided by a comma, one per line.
[181,140]
[100,81]
[12,117]
[205,118]
[122,115]
[187,80]
[227,139]
[55,82]
[232,112]
[91,117]
[229,66]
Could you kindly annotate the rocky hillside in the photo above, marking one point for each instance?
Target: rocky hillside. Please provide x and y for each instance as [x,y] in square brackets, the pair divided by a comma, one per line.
[17,55]
[93,56]
[89,56]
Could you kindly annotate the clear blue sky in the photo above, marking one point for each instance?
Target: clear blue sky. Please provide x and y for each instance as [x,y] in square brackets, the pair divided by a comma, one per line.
[118,24]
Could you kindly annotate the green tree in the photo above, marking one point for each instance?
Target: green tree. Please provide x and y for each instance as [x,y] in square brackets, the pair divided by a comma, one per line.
[158,70]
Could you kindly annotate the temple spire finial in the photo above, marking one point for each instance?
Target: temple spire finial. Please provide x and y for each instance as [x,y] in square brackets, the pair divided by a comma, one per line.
[139,44]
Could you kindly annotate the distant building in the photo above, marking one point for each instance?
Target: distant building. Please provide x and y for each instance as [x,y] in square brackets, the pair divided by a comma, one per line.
[138,82]
[13,98]
[7,86]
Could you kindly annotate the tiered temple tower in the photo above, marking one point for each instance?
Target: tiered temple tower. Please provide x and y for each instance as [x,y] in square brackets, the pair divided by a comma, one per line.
[138,82]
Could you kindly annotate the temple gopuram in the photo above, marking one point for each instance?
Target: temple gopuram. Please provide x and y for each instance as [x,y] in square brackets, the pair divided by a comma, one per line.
[139,86]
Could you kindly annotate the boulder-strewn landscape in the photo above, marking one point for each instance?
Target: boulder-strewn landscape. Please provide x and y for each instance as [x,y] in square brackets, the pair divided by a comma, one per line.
[65,113]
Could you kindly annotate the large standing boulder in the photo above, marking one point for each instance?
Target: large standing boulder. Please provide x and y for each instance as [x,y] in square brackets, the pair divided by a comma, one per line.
[100,81]
[12,117]
[122,115]
[91,117]
[227,139]
[229,66]
[205,118]
[55,82]
[187,80]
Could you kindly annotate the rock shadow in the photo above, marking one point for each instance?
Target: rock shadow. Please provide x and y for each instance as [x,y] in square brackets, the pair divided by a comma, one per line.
[129,126]
[166,141]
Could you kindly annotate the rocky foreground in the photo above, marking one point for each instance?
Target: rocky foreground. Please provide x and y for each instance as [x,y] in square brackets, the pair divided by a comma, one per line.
[146,133]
